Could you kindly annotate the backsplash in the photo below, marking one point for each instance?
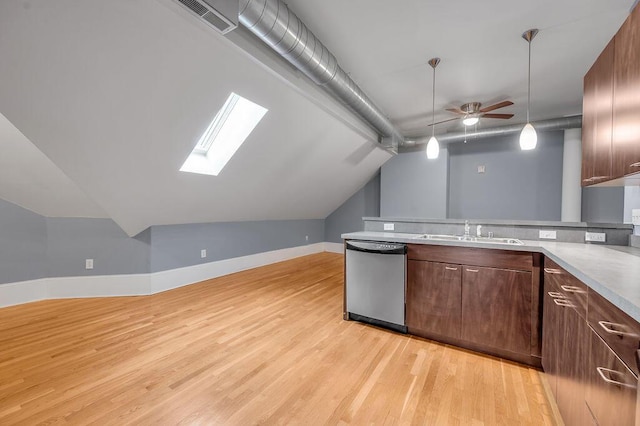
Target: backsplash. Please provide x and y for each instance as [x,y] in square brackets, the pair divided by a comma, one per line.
[616,234]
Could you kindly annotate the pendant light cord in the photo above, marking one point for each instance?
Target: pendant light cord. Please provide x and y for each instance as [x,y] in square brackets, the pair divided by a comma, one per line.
[529,84]
[433,105]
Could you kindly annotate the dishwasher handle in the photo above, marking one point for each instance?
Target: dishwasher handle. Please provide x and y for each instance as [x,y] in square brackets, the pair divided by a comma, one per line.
[377,247]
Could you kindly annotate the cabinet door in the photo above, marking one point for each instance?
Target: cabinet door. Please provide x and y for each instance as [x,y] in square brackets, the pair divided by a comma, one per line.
[496,308]
[551,332]
[611,391]
[572,365]
[626,116]
[598,105]
[433,298]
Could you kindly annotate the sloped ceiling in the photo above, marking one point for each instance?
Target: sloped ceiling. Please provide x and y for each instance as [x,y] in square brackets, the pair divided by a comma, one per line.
[386,45]
[116,94]
[29,179]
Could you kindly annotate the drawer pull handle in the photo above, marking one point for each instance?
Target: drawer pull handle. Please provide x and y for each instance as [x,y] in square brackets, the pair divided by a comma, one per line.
[635,164]
[449,268]
[564,302]
[472,270]
[572,289]
[601,372]
[552,271]
[556,295]
[610,327]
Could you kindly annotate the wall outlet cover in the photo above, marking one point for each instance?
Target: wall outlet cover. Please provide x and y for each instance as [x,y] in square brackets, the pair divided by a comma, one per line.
[389,227]
[635,217]
[203,253]
[599,237]
[547,235]
[88,264]
[481,169]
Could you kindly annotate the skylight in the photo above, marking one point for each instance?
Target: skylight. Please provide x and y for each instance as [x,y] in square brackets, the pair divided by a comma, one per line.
[228,130]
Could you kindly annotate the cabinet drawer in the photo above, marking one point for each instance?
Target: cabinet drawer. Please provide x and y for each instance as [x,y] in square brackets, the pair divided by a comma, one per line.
[611,386]
[620,331]
[504,259]
[571,290]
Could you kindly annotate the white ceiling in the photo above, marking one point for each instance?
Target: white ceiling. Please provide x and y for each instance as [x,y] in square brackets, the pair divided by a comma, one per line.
[385,46]
[114,94]
[29,179]
[117,93]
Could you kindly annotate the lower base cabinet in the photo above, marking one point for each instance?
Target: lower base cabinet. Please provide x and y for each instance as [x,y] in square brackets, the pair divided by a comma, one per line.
[611,389]
[590,382]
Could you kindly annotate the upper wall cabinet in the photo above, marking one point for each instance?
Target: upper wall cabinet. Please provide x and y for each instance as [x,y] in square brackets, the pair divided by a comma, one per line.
[626,103]
[611,110]
[596,119]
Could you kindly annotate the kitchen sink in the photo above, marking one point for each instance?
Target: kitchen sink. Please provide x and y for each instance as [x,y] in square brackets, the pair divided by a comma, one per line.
[463,238]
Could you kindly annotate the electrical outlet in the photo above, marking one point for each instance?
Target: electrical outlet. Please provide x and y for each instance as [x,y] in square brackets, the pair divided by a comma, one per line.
[481,169]
[599,237]
[203,253]
[88,263]
[635,217]
[306,238]
[389,226]
[547,235]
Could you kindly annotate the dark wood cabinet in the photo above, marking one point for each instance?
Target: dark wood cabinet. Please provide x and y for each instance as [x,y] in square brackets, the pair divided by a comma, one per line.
[496,308]
[486,300]
[611,110]
[597,116]
[626,106]
[611,389]
[433,298]
[590,382]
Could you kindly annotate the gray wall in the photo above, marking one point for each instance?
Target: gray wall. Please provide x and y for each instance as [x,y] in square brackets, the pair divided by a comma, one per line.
[603,204]
[72,240]
[348,217]
[175,246]
[23,236]
[411,185]
[521,185]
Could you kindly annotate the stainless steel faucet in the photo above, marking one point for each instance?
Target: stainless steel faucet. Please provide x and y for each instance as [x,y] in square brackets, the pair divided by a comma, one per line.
[466,228]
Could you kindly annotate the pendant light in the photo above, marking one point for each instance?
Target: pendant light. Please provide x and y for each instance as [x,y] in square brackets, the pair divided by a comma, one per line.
[528,136]
[433,147]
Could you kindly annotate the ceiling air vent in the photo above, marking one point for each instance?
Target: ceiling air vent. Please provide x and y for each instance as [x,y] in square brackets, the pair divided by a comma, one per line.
[219,14]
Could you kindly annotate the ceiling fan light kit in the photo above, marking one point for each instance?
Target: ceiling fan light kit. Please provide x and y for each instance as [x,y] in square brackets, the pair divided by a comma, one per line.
[471,120]
[433,147]
[528,136]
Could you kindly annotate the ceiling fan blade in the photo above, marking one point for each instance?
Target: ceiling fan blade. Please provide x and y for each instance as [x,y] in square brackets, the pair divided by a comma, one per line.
[456,110]
[496,106]
[444,121]
[503,116]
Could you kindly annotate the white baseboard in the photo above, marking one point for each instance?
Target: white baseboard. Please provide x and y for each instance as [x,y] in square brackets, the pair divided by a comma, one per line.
[145,284]
[334,247]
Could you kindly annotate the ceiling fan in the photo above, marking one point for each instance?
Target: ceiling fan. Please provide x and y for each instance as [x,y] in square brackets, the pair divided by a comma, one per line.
[472,112]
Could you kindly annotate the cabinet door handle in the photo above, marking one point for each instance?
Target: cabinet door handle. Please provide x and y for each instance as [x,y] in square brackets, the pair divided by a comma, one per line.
[449,268]
[471,270]
[552,271]
[610,327]
[572,289]
[588,179]
[601,372]
[635,164]
[556,295]
[564,302]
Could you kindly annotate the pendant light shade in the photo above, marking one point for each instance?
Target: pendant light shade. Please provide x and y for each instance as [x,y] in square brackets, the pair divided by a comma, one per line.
[528,136]
[433,146]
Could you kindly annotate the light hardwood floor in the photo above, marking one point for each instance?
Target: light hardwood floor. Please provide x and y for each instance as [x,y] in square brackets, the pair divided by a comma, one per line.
[265,346]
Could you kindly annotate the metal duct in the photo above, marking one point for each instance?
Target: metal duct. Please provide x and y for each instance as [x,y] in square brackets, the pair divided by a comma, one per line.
[280,28]
[542,125]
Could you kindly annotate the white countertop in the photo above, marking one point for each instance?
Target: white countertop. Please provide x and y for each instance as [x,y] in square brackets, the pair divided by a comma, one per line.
[612,271]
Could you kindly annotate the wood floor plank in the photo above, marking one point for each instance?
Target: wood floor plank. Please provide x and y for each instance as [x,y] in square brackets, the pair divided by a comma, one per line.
[264,346]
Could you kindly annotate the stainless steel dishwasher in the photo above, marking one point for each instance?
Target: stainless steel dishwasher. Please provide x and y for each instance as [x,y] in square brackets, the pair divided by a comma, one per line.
[375,283]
